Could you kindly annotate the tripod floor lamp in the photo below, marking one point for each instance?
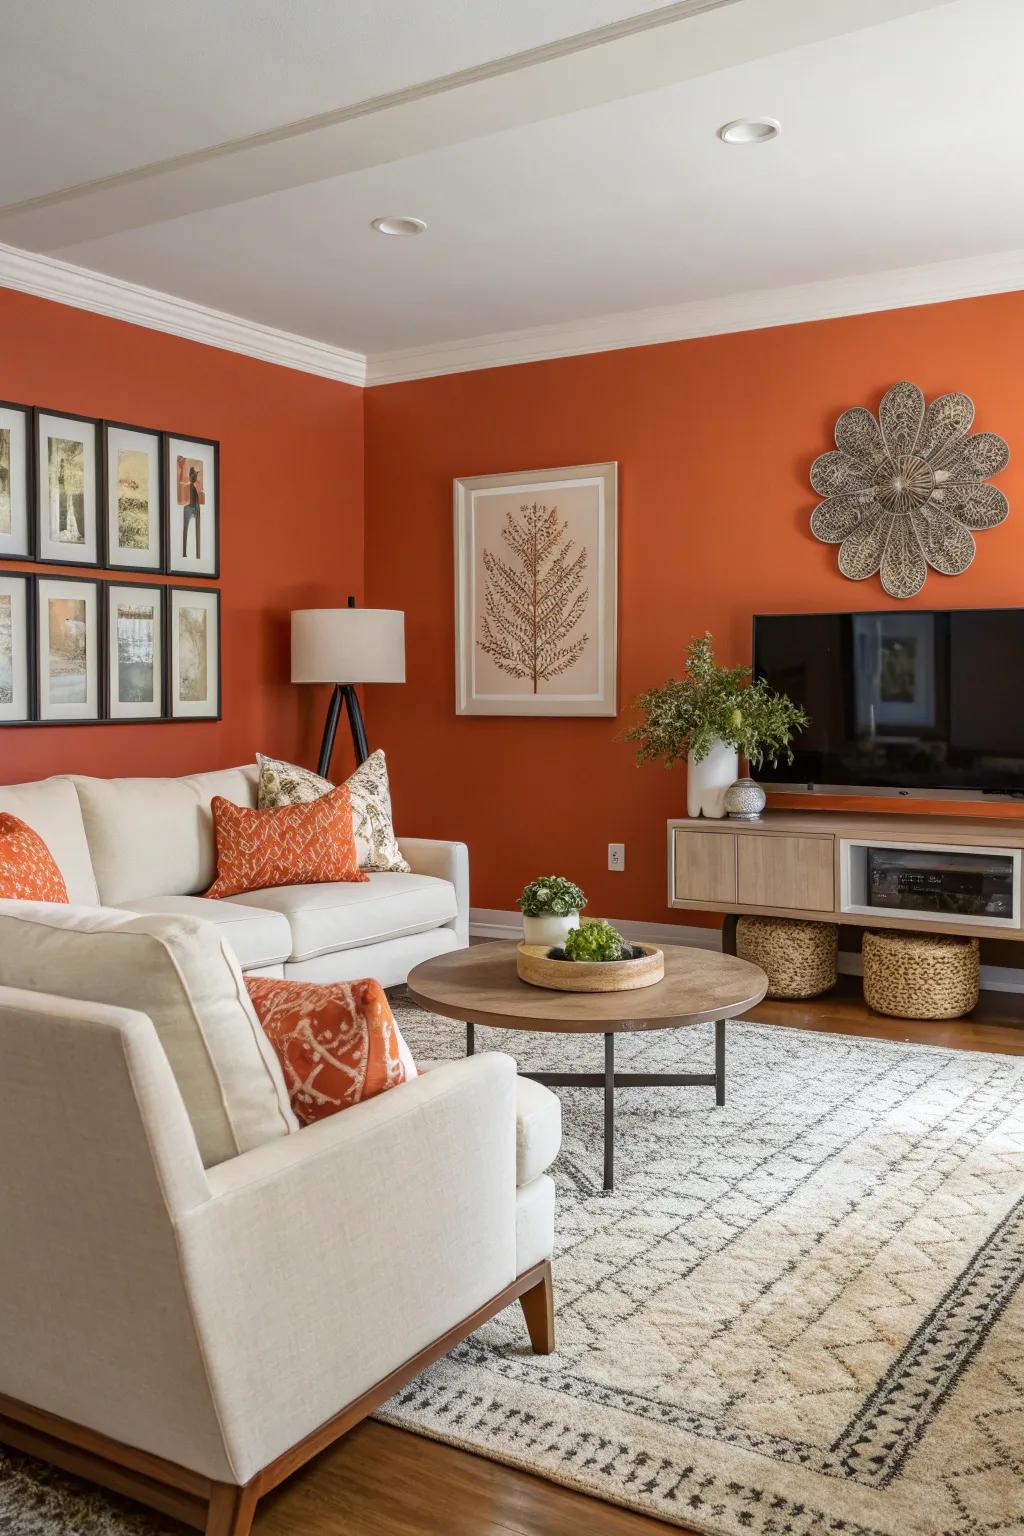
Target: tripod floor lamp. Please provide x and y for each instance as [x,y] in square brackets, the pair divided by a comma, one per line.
[345,646]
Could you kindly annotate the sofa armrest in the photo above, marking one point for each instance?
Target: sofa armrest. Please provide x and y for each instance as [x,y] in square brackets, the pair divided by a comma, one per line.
[445,861]
[325,1260]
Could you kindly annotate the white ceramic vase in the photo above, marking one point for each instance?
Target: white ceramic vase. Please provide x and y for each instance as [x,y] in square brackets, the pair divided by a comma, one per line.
[708,780]
[549,929]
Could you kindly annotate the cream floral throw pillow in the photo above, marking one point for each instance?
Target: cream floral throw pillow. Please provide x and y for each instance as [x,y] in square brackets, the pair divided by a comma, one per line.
[287,784]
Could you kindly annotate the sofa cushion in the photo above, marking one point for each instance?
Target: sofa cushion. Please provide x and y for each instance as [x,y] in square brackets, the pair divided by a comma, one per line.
[181,973]
[337,1044]
[169,818]
[27,868]
[340,915]
[290,845]
[50,807]
[258,937]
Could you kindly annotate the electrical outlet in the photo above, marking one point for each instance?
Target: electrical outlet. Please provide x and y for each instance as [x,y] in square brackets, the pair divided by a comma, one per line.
[616,856]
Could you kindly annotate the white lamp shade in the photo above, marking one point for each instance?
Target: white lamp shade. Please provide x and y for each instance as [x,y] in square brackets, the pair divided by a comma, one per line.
[348,645]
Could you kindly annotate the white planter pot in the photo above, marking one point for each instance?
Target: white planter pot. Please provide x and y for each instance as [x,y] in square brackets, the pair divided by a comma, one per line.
[549,929]
[707,781]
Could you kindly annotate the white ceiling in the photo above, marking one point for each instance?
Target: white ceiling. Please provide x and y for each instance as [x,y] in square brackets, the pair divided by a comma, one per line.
[89,88]
[587,185]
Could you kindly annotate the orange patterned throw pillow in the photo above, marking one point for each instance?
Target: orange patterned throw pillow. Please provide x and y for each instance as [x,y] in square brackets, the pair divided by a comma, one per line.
[337,1042]
[27,868]
[291,845]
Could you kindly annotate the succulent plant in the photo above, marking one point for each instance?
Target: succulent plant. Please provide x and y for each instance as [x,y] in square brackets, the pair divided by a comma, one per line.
[551,895]
[596,940]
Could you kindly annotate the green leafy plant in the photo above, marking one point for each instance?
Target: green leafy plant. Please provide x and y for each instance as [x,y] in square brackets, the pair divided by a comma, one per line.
[596,940]
[551,896]
[711,703]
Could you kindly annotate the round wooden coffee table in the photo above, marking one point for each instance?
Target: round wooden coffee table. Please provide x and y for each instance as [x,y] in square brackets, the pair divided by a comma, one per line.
[479,985]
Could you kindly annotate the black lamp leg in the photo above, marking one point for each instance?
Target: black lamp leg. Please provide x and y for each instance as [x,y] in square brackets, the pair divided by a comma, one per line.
[355,720]
[344,693]
[330,731]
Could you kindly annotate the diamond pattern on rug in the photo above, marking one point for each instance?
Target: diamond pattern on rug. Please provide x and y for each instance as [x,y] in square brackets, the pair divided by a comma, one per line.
[800,1313]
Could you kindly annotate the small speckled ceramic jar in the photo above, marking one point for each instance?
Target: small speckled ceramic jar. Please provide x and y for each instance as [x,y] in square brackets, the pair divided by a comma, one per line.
[744,800]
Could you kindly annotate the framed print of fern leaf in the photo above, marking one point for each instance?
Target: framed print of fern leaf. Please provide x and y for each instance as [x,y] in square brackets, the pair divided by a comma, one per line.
[535,592]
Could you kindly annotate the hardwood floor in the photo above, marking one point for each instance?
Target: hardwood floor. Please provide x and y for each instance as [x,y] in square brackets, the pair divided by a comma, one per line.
[380,1481]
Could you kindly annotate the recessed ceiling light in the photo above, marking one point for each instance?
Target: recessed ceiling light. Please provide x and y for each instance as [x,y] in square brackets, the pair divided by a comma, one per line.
[750,130]
[399,226]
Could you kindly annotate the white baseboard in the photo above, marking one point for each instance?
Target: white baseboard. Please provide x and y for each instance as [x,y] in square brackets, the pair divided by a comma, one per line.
[493,923]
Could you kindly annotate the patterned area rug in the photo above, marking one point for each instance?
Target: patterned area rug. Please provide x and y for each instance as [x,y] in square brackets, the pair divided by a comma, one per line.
[800,1314]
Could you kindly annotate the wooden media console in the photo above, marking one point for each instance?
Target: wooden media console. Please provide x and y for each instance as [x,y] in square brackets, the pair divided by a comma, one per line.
[938,874]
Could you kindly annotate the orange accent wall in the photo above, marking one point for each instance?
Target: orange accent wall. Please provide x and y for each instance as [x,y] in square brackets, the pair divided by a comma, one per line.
[291,470]
[714,439]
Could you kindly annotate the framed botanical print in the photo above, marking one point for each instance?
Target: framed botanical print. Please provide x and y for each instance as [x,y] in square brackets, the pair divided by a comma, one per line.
[194,649]
[133,513]
[67,525]
[135,652]
[192,470]
[15,648]
[536,581]
[68,671]
[15,474]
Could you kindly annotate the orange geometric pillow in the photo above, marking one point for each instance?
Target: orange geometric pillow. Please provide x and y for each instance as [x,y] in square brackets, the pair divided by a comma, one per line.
[27,868]
[290,845]
[337,1042]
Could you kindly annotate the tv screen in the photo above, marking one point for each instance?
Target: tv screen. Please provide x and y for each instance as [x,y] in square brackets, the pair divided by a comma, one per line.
[905,701]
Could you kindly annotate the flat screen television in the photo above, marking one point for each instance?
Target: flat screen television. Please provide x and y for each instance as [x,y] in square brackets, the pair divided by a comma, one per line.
[905,702]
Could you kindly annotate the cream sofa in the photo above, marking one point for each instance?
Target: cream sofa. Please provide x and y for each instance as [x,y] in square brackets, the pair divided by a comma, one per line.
[146,845]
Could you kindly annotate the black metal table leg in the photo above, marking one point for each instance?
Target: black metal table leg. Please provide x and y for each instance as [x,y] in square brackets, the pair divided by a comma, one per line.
[719,1061]
[609,1111]
[470,1039]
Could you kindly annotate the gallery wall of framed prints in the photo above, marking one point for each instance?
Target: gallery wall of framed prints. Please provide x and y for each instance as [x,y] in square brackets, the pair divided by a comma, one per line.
[139,503]
[95,649]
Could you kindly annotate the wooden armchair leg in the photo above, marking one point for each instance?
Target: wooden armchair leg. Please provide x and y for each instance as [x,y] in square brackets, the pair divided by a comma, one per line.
[231,1509]
[538,1306]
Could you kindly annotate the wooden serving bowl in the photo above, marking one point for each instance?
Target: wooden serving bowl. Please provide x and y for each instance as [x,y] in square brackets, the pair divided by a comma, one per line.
[534,966]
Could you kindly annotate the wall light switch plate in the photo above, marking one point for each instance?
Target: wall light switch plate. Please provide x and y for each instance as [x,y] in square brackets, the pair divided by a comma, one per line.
[616,856]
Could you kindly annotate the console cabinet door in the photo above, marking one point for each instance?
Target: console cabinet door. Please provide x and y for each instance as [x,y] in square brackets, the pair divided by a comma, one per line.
[705,866]
[782,871]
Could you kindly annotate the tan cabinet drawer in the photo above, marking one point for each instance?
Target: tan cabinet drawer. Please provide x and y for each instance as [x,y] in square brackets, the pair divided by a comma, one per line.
[705,866]
[786,872]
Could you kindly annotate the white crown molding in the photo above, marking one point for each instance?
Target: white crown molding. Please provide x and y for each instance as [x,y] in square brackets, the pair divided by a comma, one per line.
[905,287]
[943,282]
[47,278]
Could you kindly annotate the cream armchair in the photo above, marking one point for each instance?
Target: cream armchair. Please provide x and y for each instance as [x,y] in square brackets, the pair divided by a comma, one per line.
[190,1335]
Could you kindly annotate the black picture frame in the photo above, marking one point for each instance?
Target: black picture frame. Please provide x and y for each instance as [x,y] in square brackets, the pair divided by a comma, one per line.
[97,561]
[101,660]
[28,639]
[174,563]
[29,552]
[212,593]
[107,490]
[160,590]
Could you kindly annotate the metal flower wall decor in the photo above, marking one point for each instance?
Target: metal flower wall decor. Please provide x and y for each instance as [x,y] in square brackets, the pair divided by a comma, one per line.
[907,491]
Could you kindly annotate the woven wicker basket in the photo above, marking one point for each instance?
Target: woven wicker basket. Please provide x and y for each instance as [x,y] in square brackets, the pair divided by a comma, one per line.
[920,975]
[799,957]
